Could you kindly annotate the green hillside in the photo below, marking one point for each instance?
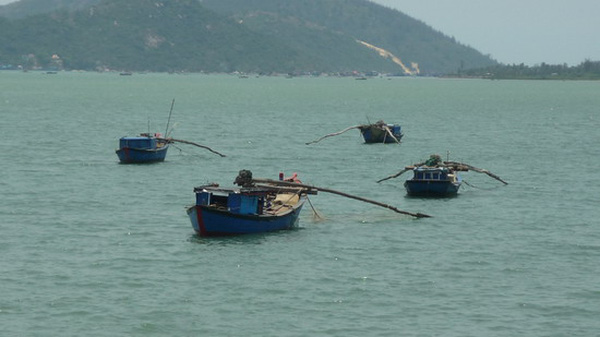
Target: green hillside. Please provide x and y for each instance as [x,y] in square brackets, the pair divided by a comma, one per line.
[138,35]
[409,39]
[226,35]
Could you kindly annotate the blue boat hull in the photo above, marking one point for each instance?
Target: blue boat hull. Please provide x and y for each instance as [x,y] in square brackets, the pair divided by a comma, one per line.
[438,188]
[373,135]
[129,155]
[208,221]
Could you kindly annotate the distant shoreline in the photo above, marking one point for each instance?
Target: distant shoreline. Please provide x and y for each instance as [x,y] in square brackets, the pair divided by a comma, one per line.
[585,71]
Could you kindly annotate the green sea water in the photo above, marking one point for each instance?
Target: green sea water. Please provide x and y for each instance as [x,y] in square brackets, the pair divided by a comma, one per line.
[90,247]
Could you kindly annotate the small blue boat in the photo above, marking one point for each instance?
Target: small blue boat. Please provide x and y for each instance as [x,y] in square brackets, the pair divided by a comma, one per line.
[246,210]
[381,132]
[433,181]
[437,178]
[145,148]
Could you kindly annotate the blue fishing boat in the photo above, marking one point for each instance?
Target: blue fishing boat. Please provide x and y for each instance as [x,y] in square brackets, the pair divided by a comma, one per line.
[246,210]
[381,132]
[145,148]
[438,178]
[433,181]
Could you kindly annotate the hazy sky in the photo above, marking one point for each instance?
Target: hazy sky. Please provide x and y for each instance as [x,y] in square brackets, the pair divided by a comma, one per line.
[513,31]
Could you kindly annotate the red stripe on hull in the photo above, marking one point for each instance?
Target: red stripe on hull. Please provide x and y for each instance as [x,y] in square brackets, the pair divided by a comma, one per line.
[200,220]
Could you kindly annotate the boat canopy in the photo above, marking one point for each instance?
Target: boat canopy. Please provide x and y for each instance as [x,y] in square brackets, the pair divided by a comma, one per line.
[243,201]
[138,142]
[431,173]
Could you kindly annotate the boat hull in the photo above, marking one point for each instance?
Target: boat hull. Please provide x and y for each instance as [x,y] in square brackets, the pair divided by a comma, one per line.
[431,188]
[373,134]
[208,221]
[129,155]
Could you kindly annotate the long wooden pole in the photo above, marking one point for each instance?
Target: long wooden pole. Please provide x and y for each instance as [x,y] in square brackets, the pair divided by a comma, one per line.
[389,132]
[195,144]
[169,120]
[473,168]
[406,169]
[394,175]
[322,189]
[334,134]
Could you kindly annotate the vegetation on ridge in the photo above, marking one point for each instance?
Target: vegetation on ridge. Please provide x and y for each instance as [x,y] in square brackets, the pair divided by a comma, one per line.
[224,36]
[587,70]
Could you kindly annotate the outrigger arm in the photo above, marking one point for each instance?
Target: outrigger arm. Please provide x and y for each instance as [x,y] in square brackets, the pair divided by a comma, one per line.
[389,132]
[456,166]
[173,140]
[321,189]
[464,167]
[395,175]
[335,134]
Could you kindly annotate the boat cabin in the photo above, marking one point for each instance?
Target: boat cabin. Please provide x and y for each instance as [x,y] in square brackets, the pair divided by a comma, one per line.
[140,142]
[249,201]
[433,174]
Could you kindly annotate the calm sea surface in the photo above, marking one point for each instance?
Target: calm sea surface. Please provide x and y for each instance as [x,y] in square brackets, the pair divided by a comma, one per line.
[90,247]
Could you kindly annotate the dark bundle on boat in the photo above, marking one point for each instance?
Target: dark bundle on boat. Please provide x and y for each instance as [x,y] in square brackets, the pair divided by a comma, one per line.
[435,177]
[244,178]
[379,132]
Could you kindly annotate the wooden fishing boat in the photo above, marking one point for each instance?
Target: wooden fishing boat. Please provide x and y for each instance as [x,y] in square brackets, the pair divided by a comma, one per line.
[151,147]
[145,148]
[259,206]
[246,210]
[433,181]
[381,132]
[435,177]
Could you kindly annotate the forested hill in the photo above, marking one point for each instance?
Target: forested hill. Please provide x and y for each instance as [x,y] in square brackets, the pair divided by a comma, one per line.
[409,39]
[225,36]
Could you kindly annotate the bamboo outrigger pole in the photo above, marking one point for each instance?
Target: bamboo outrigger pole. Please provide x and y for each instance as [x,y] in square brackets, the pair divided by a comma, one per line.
[453,165]
[334,134]
[379,124]
[309,187]
[395,175]
[463,166]
[173,140]
[169,120]
[389,132]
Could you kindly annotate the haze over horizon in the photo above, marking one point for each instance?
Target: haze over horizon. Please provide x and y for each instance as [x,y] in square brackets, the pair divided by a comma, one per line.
[515,31]
[512,31]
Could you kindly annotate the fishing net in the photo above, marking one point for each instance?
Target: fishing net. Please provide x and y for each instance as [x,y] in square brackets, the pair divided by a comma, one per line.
[244,178]
[434,160]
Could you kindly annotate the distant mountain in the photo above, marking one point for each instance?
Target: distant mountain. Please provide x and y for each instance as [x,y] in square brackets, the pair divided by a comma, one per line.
[227,35]
[142,35]
[410,40]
